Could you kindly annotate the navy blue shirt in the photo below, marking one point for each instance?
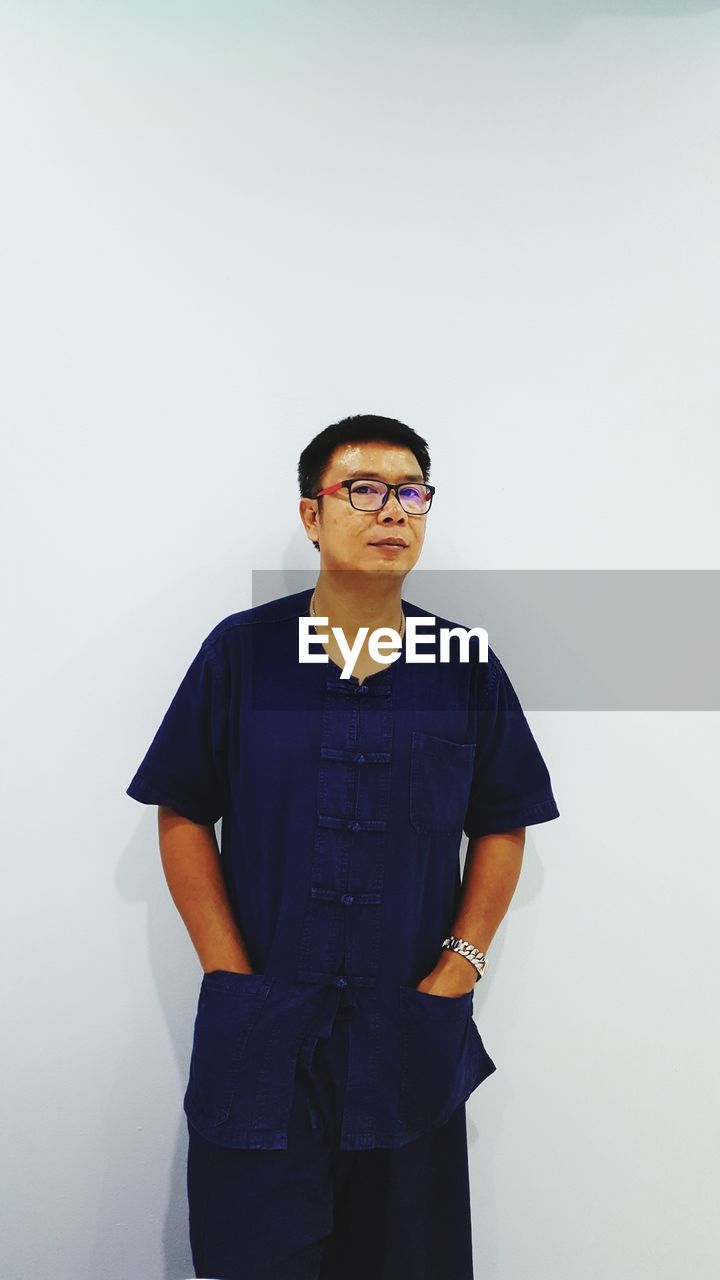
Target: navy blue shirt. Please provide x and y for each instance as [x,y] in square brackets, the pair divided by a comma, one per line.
[343,805]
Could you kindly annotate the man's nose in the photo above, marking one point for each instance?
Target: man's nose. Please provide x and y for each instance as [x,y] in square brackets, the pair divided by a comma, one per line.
[392,507]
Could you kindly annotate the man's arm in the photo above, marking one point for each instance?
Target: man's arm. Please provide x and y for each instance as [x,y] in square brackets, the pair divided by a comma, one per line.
[191,862]
[492,870]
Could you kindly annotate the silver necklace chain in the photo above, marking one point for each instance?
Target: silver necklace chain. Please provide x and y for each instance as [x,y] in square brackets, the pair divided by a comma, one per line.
[402,615]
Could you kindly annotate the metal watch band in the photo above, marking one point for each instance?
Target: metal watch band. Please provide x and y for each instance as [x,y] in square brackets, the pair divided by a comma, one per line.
[471,953]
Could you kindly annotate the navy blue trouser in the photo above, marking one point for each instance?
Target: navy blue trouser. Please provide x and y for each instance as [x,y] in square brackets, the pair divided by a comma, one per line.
[317,1212]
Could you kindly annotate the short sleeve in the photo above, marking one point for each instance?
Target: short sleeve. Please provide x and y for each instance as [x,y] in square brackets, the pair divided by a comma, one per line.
[184,766]
[510,784]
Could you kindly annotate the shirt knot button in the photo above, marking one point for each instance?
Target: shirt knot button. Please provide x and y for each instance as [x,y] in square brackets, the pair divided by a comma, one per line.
[354,826]
[359,758]
[361,688]
[348,899]
[342,982]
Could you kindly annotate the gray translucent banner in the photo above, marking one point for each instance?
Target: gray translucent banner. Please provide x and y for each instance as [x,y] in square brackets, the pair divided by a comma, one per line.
[576,639]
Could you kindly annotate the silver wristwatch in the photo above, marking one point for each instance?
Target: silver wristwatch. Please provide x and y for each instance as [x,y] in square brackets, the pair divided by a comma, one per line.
[471,953]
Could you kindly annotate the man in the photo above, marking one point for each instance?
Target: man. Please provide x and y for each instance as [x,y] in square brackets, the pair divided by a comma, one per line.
[334,1045]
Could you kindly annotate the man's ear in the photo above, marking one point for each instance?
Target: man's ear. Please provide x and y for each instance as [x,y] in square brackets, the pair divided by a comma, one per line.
[304,513]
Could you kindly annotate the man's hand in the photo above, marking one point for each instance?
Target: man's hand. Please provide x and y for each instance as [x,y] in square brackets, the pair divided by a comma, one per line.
[453,975]
[224,969]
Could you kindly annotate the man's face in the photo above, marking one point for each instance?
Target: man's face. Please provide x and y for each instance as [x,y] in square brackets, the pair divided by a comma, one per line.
[349,539]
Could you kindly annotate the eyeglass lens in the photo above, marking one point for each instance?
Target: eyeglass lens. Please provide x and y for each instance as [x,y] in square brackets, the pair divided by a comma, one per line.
[368,495]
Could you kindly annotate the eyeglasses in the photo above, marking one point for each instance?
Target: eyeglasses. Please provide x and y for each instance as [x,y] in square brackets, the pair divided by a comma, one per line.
[371,495]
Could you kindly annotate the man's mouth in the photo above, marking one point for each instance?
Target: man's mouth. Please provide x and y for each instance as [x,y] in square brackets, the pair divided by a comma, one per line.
[389,542]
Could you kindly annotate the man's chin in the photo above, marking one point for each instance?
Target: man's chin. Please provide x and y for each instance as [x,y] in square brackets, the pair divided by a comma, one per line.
[370,562]
[385,567]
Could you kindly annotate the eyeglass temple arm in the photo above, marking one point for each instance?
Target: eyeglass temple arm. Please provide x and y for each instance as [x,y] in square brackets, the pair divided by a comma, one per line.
[332,489]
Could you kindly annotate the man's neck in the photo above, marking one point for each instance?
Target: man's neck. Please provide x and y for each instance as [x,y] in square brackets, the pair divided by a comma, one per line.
[356,600]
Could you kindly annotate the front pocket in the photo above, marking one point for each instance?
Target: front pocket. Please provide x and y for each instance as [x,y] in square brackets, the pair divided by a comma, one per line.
[440,778]
[443,1057]
[434,1035]
[229,1005]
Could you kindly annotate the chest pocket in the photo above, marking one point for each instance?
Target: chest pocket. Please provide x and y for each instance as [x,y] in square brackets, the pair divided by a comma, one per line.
[440,778]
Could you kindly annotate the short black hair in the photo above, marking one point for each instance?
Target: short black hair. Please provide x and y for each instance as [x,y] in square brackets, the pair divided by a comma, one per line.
[361,428]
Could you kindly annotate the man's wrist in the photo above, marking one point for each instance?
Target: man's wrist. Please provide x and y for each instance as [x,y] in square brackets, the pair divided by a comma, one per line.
[457,967]
[233,962]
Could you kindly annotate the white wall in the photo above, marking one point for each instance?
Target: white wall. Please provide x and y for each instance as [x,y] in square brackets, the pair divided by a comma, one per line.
[224,226]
